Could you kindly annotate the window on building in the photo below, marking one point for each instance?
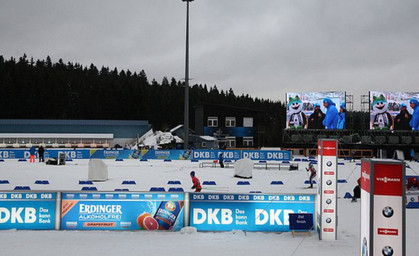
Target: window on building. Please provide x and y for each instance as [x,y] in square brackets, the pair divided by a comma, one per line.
[247,121]
[231,142]
[212,121]
[248,141]
[204,144]
[230,122]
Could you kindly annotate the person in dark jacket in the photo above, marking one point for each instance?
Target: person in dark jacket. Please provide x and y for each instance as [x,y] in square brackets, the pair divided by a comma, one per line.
[32,152]
[401,122]
[196,183]
[221,160]
[315,121]
[357,191]
[41,151]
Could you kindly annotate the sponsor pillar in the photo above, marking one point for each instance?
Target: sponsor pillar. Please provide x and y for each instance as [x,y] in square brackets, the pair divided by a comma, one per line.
[327,189]
[383,209]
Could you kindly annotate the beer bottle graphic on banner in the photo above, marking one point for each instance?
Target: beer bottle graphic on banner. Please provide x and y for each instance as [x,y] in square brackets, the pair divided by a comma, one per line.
[167,214]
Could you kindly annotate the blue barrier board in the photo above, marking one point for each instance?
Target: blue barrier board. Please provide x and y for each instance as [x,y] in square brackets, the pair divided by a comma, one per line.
[250,212]
[122,211]
[27,210]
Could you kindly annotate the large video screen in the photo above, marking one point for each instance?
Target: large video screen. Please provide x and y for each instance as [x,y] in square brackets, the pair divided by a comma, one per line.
[394,110]
[316,110]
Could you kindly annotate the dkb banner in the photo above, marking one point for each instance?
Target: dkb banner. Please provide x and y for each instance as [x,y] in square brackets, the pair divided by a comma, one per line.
[202,154]
[267,155]
[122,211]
[27,210]
[226,212]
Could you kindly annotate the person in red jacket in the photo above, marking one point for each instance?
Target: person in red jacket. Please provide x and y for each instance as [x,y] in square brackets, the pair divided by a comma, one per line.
[196,183]
[412,183]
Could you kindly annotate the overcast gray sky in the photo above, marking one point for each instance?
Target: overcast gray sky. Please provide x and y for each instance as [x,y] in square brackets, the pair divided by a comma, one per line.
[263,48]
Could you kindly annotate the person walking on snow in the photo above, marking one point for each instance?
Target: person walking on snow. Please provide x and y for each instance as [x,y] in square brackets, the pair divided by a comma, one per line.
[221,160]
[32,152]
[196,183]
[312,175]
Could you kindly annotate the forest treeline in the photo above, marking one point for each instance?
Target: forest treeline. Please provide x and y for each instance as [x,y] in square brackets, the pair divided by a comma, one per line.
[41,89]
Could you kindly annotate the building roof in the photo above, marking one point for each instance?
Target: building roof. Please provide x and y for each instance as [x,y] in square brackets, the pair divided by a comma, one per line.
[119,128]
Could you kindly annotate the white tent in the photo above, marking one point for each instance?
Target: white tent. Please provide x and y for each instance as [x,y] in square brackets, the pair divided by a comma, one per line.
[98,170]
[243,168]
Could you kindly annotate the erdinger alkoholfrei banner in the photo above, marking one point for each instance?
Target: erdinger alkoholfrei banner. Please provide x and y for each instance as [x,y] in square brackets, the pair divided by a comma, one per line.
[327,189]
[383,212]
[306,110]
[250,212]
[27,210]
[122,211]
[394,111]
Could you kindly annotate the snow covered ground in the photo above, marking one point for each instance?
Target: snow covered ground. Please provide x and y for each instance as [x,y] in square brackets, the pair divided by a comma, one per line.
[156,174]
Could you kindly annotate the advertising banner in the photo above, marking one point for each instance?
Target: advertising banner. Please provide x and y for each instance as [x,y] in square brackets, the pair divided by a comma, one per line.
[366,197]
[328,150]
[27,210]
[306,110]
[267,155]
[202,154]
[49,153]
[226,212]
[114,153]
[167,154]
[122,211]
[394,111]
[383,230]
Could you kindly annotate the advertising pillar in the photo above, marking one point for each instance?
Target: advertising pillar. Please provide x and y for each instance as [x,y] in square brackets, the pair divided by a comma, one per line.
[327,189]
[383,210]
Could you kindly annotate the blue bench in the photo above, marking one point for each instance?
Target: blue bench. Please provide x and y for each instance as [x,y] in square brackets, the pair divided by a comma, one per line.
[342,181]
[89,188]
[121,189]
[174,182]
[176,190]
[210,182]
[4,182]
[308,182]
[277,182]
[22,188]
[157,189]
[42,182]
[128,182]
[243,183]
[85,182]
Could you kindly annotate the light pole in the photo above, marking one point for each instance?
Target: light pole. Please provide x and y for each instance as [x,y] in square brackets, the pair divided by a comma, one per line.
[186,110]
